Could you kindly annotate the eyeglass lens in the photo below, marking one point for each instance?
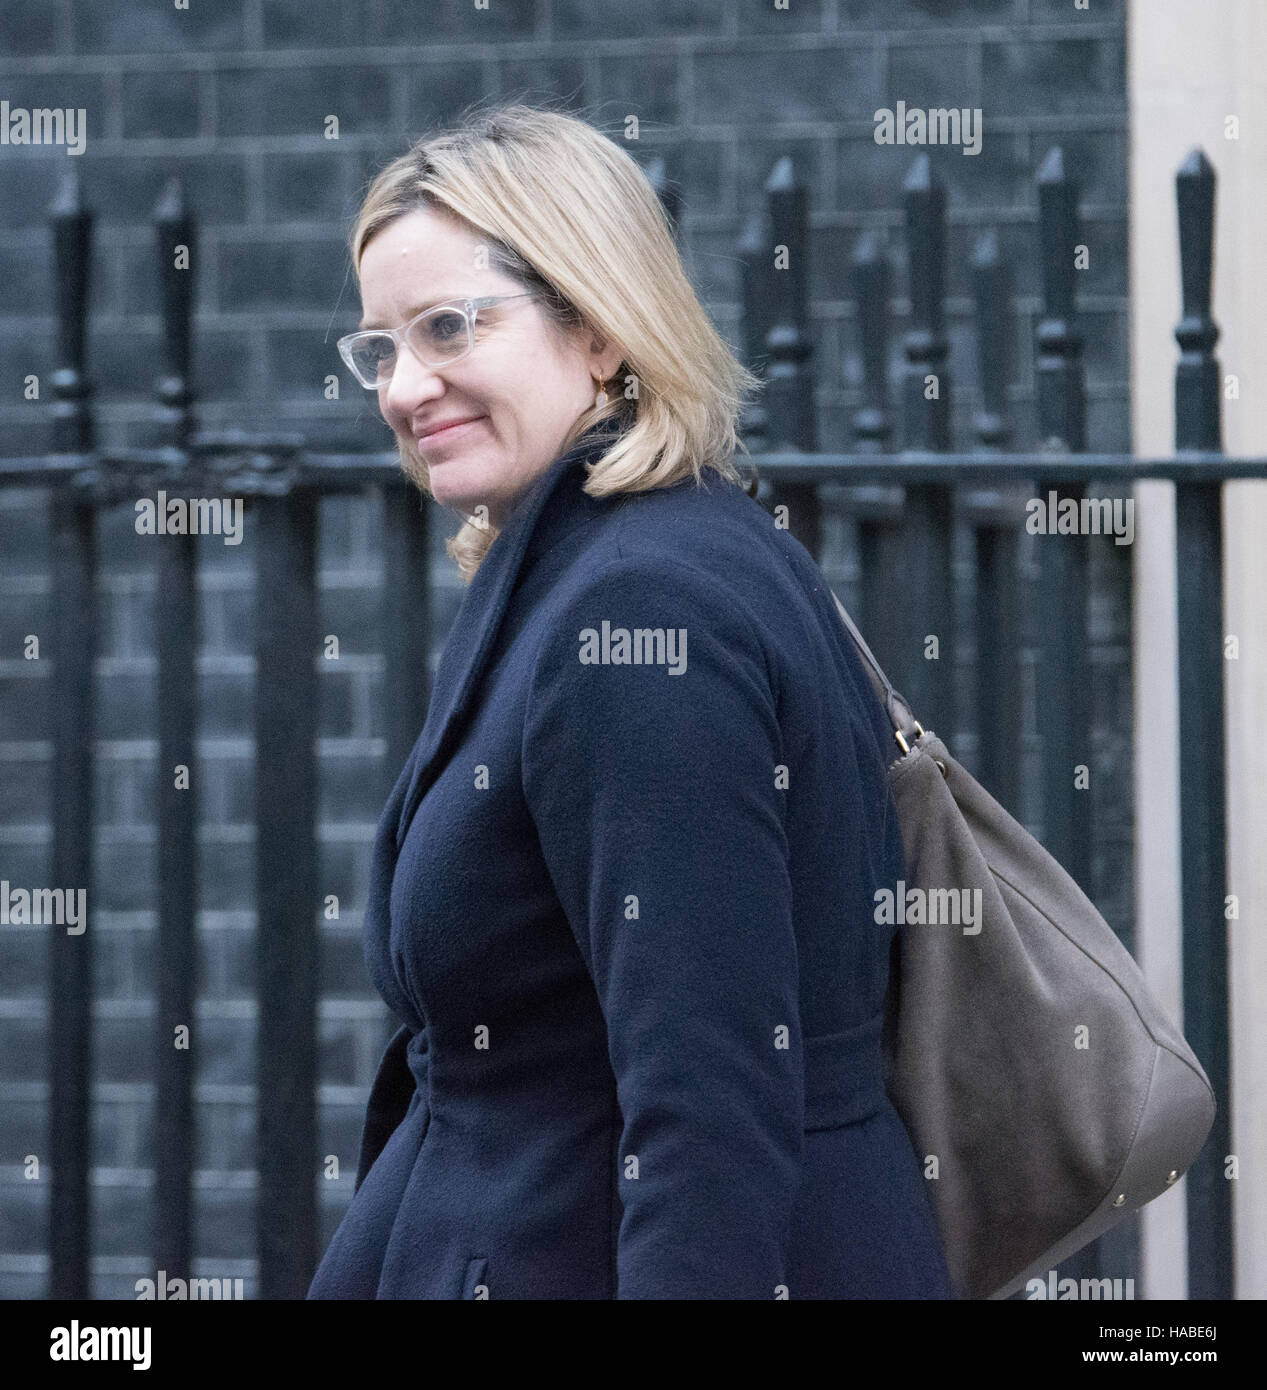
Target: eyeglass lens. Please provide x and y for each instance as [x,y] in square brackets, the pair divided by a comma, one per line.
[438,337]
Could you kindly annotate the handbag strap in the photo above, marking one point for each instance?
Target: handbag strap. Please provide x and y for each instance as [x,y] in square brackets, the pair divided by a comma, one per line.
[906,728]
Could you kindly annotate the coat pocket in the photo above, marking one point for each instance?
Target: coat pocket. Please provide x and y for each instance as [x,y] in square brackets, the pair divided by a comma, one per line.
[475,1284]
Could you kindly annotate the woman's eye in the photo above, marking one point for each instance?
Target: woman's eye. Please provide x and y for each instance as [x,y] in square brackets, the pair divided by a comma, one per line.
[445,327]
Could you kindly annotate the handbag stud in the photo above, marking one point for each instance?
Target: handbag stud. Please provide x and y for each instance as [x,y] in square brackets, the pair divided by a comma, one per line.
[1119,1199]
[1172,1176]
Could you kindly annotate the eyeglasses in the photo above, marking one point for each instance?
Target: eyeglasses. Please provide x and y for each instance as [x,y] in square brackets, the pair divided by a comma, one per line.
[438,337]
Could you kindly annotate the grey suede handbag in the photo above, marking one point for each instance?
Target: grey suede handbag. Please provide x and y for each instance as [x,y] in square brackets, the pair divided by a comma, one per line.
[1025,1054]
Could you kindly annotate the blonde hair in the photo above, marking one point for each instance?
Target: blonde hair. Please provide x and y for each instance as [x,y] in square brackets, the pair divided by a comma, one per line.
[569,215]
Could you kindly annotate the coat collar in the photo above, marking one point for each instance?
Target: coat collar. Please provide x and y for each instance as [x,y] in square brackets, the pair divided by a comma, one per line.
[534,526]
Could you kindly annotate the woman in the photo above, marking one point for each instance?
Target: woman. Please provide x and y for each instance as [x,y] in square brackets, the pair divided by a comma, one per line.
[622,892]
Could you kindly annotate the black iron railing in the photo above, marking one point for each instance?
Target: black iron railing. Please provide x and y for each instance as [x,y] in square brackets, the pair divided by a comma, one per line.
[905,506]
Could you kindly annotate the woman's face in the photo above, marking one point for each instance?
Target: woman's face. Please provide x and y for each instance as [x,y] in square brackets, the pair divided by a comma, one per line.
[523,386]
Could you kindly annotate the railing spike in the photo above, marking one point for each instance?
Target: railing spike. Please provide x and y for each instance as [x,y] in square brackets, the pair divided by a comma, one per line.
[1199,563]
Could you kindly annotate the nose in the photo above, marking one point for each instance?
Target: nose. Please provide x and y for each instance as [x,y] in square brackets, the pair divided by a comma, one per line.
[412,382]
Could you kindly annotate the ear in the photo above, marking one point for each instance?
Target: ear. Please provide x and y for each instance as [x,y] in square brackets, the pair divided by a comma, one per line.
[604,358]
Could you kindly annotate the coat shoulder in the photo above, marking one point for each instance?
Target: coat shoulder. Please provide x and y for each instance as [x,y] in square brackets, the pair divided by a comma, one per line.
[707,544]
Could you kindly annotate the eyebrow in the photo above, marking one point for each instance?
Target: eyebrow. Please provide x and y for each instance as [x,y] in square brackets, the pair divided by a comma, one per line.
[417,309]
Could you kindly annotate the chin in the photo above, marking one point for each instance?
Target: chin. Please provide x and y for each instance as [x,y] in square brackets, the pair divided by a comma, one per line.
[448,482]
[457,496]
[458,484]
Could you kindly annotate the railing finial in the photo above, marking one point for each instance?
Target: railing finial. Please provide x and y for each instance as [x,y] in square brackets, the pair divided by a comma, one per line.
[1058,371]
[755,276]
[1198,403]
[175,243]
[992,293]
[869,280]
[72,255]
[926,382]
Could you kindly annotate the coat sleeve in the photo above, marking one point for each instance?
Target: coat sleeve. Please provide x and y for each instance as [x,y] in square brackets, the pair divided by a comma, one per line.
[655,798]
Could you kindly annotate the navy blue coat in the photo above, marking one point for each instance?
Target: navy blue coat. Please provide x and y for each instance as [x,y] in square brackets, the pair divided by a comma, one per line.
[625,916]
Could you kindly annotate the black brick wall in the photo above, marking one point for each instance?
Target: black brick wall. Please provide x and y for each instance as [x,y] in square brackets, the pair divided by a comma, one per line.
[233,96]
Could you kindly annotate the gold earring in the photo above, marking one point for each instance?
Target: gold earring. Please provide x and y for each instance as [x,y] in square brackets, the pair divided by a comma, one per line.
[601,399]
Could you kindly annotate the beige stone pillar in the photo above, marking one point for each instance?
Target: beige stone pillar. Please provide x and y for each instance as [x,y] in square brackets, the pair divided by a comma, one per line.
[1197,75]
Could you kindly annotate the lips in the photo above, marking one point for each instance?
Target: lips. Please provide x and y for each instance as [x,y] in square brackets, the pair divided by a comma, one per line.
[445,429]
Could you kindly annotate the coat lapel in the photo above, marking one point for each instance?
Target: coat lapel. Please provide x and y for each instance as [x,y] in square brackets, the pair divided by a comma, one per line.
[482,609]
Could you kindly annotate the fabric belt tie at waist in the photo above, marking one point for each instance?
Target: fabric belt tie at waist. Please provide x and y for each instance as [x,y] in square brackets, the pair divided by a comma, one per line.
[416,1055]
[844,1076]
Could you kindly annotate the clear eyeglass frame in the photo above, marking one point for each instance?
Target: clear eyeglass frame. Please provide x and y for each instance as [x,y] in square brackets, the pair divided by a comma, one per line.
[407,336]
